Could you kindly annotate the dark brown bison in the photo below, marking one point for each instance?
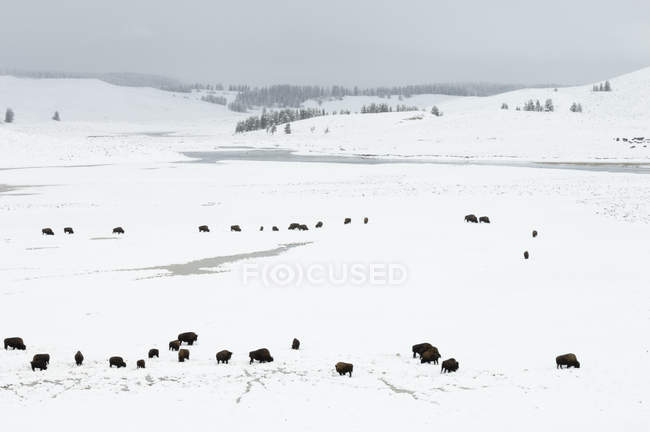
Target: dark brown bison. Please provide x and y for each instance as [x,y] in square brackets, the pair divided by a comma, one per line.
[303,227]
[79,358]
[68,230]
[47,231]
[262,228]
[275,228]
[223,356]
[174,345]
[140,364]
[484,219]
[188,337]
[365,220]
[449,365]
[295,344]
[567,360]
[294,226]
[420,348]
[183,355]
[235,228]
[534,233]
[15,343]
[471,218]
[40,364]
[204,228]
[526,255]
[344,368]
[118,362]
[319,224]
[153,352]
[44,357]
[347,221]
[118,230]
[262,355]
[430,356]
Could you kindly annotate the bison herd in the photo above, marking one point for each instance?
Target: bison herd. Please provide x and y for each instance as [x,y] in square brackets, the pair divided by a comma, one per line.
[484,219]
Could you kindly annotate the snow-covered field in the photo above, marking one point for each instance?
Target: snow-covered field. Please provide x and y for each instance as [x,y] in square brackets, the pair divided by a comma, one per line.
[465,288]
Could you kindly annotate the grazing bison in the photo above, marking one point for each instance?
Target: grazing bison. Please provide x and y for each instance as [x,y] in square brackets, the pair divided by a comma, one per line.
[275,228]
[15,343]
[44,357]
[117,362]
[319,224]
[471,218]
[204,228]
[223,356]
[526,255]
[294,226]
[68,230]
[430,355]
[235,228]
[188,337]
[40,364]
[79,358]
[567,360]
[347,221]
[484,219]
[295,344]
[365,220]
[344,368]
[262,355]
[154,353]
[118,230]
[174,345]
[140,364]
[420,348]
[449,365]
[303,227]
[534,233]
[183,355]
[47,231]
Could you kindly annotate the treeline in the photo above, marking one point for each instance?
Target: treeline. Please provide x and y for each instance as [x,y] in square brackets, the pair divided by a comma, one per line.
[383,108]
[219,100]
[270,119]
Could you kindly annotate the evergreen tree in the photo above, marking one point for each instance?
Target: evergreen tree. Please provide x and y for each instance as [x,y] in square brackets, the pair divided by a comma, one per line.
[600,87]
[548,106]
[287,129]
[273,129]
[435,111]
[504,106]
[9,116]
[608,86]
[538,106]
[56,116]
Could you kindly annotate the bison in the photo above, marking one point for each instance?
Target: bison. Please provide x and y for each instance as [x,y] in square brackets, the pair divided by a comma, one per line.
[449,365]
[344,368]
[471,218]
[43,357]
[235,228]
[526,255]
[319,224]
[534,233]
[430,355]
[15,343]
[118,230]
[420,348]
[174,345]
[223,356]
[347,221]
[275,228]
[295,344]
[154,353]
[262,228]
[183,355]
[365,220]
[204,228]
[47,231]
[294,226]
[484,219]
[68,230]
[262,355]
[40,364]
[79,358]
[188,337]
[118,362]
[140,364]
[567,360]
[303,227]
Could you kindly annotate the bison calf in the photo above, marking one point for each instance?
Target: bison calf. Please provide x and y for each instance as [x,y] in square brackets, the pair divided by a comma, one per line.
[262,355]
[223,356]
[295,344]
[47,231]
[183,355]
[188,337]
[204,228]
[117,362]
[68,230]
[39,364]
[567,360]
[430,356]
[118,230]
[79,358]
[471,218]
[15,343]
[344,368]
[154,353]
[174,345]
[449,365]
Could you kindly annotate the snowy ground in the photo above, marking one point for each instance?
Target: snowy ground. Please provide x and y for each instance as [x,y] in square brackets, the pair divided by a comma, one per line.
[465,288]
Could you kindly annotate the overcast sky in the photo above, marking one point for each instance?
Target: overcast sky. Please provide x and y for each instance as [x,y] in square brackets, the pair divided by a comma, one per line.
[365,42]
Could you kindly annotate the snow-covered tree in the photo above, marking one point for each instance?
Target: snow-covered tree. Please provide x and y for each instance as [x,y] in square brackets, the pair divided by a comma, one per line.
[548,105]
[287,129]
[608,86]
[274,129]
[504,106]
[56,116]
[435,111]
[9,116]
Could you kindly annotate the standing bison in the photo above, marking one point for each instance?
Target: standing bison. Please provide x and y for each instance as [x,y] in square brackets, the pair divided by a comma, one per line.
[174,345]
[140,364]
[534,233]
[42,357]
[79,358]
[319,224]
[275,228]
[188,337]
[294,226]
[526,255]
[15,343]
[183,355]
[295,344]
[365,220]
[235,228]
[430,356]
[223,356]
[420,348]
[40,364]
[154,353]
[344,368]
[484,219]
[262,355]
[118,230]
[567,360]
[68,230]
[449,365]
[471,218]
[204,228]
[118,362]
[47,231]
[347,221]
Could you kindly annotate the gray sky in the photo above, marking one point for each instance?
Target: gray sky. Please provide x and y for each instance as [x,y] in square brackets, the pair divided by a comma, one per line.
[365,42]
